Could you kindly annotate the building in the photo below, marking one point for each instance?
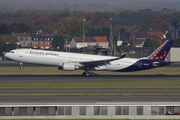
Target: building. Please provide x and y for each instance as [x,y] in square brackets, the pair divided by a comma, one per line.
[142,110]
[139,42]
[78,42]
[24,39]
[102,41]
[156,35]
[40,41]
[10,40]
[173,55]
[122,39]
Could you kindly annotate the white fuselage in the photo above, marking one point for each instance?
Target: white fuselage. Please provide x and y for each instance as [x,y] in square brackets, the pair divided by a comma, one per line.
[55,58]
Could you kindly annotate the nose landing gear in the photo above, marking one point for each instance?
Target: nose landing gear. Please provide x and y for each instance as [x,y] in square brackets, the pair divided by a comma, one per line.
[21,65]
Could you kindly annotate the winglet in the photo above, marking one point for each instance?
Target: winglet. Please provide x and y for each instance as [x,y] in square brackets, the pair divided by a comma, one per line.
[122,56]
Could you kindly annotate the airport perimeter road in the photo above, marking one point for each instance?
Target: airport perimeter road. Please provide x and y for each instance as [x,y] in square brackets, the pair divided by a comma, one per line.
[87,99]
[86,95]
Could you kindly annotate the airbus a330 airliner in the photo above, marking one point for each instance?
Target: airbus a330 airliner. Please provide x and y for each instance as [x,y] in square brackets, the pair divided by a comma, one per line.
[73,61]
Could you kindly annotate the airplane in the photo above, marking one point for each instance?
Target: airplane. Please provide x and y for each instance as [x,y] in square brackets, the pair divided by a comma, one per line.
[72,61]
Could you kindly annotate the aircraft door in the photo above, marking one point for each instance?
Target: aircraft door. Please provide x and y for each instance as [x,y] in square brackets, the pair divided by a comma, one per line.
[139,63]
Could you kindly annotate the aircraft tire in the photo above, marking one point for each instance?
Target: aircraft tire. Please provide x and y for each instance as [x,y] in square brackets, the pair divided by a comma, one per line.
[84,73]
[21,67]
[92,74]
[87,74]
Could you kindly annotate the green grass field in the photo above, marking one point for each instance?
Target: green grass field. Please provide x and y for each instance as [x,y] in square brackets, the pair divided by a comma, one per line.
[86,119]
[94,84]
[137,83]
[28,70]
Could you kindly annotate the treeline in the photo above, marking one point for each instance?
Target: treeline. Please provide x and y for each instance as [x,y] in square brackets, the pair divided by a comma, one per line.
[70,23]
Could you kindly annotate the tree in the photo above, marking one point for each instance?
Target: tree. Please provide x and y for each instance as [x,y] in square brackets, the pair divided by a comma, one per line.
[58,42]
[176,43]
[151,43]
[71,26]
[98,31]
[18,28]
[1,45]
[11,46]
[148,43]
[3,28]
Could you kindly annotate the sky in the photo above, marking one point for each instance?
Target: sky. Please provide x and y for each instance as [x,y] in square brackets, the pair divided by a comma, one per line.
[132,4]
[115,2]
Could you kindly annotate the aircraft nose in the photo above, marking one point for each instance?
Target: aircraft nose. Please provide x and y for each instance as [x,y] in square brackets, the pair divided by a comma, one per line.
[6,54]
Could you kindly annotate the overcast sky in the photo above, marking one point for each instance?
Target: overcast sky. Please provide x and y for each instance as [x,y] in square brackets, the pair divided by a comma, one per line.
[115,2]
[127,4]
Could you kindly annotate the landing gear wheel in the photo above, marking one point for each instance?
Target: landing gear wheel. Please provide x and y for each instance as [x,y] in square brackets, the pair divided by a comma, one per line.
[92,74]
[21,65]
[88,74]
[84,73]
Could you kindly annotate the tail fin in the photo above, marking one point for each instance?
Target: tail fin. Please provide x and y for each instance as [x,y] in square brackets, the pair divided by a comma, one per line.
[161,52]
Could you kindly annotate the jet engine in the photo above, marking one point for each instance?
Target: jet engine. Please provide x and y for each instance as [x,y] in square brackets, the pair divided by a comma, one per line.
[67,66]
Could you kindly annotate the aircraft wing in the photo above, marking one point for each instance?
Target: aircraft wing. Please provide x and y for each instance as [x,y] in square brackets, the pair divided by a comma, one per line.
[100,62]
[97,63]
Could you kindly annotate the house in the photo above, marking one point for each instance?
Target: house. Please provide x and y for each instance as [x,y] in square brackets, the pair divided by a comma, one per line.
[102,41]
[122,39]
[24,39]
[157,35]
[142,36]
[140,39]
[98,41]
[79,42]
[9,39]
[42,41]
[139,42]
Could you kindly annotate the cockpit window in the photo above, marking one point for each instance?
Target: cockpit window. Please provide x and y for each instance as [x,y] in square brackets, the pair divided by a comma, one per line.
[11,51]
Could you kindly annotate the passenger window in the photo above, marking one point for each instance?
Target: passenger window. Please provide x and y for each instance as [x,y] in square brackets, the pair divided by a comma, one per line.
[12,52]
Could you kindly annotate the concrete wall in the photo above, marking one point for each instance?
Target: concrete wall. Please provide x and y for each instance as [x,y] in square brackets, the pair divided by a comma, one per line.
[91,111]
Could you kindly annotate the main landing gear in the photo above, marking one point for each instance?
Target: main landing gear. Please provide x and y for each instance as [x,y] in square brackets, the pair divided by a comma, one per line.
[21,65]
[88,73]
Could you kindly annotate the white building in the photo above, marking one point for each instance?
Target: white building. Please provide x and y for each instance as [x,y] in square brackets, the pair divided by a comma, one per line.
[173,55]
[79,42]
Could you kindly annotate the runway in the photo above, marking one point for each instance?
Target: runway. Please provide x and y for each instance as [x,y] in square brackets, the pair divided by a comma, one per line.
[74,95]
[85,95]
[79,78]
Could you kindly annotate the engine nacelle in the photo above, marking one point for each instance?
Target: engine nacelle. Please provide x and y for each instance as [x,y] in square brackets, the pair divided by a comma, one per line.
[67,66]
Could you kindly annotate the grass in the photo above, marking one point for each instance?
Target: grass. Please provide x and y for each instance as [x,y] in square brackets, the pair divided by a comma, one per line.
[159,83]
[54,71]
[86,119]
[91,94]
[136,55]
[94,84]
